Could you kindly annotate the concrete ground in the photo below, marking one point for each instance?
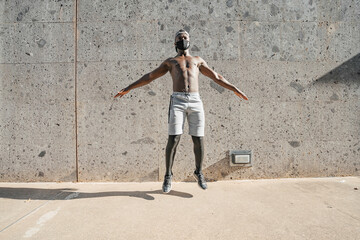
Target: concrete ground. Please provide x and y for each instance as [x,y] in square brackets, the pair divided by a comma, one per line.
[307,208]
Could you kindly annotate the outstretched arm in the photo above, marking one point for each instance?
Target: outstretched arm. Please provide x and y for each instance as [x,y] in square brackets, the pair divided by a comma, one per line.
[146,79]
[204,69]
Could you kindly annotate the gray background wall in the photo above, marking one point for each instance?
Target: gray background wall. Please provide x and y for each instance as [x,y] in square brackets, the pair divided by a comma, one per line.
[61,63]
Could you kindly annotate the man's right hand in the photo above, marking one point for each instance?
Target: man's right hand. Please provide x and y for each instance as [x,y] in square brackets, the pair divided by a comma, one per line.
[122,93]
[241,94]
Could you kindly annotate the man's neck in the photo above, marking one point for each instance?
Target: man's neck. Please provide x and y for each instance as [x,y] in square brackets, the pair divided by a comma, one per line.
[183,53]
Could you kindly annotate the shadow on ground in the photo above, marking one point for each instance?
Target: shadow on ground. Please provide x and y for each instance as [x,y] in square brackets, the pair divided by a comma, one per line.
[69,193]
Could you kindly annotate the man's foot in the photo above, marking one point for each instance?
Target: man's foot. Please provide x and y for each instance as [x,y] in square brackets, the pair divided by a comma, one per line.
[167,184]
[200,179]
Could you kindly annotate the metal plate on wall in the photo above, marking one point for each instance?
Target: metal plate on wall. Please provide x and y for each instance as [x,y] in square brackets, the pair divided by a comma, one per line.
[240,158]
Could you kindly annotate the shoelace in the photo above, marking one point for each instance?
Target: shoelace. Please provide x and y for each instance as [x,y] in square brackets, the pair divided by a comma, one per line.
[201,177]
[167,178]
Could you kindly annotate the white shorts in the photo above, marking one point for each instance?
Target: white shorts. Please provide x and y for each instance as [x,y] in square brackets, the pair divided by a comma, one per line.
[186,105]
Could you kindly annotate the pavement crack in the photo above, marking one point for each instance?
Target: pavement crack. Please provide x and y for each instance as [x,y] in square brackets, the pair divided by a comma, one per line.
[347,214]
[31,212]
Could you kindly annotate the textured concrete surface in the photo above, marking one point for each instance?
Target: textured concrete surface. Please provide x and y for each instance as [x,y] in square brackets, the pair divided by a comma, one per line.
[37,94]
[308,208]
[297,61]
[37,122]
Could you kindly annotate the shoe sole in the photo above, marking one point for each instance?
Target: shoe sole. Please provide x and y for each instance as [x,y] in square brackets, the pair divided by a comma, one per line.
[169,189]
[167,192]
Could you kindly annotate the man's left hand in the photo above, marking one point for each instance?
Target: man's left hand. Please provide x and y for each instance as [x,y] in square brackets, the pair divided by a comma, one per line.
[121,93]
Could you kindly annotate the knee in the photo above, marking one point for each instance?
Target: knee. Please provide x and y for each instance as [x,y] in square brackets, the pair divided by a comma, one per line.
[177,138]
[197,140]
[173,140]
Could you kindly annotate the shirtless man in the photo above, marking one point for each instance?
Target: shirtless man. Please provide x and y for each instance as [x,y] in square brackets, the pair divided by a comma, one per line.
[185,102]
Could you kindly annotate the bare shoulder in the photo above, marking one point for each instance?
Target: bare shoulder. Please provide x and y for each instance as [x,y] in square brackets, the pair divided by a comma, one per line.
[198,58]
[200,61]
[167,62]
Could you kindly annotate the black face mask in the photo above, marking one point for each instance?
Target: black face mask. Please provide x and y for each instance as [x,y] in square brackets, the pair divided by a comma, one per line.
[182,44]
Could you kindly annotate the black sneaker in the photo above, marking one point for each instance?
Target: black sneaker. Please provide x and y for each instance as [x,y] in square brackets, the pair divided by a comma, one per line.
[167,184]
[200,179]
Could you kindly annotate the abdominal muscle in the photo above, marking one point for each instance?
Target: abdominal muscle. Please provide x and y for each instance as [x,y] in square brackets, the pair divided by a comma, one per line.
[185,79]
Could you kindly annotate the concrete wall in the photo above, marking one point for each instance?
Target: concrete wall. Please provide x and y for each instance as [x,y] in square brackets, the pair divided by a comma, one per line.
[297,61]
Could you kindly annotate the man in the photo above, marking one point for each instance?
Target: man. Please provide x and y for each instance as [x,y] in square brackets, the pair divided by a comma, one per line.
[184,102]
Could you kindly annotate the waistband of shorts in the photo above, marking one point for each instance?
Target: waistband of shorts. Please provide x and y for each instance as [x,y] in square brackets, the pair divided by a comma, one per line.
[185,94]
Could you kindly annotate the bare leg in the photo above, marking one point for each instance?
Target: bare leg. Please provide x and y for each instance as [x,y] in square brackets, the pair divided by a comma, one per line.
[173,142]
[199,152]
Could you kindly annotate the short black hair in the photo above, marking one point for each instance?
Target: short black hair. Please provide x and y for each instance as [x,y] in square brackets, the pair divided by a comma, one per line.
[181,31]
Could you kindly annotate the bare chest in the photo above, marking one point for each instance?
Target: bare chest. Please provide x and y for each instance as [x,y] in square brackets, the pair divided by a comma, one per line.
[184,65]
